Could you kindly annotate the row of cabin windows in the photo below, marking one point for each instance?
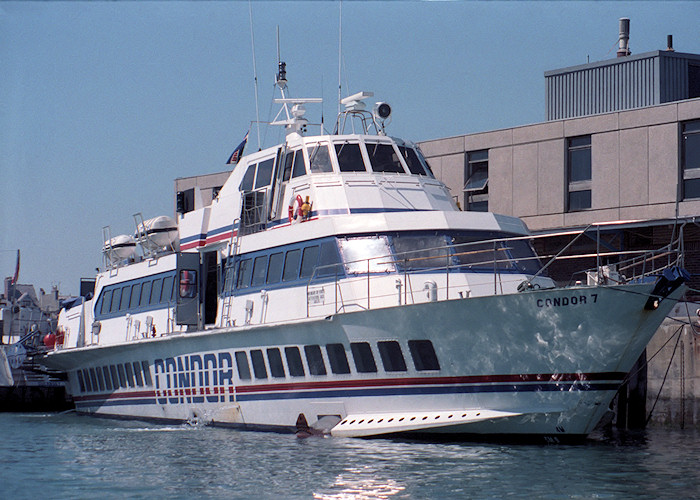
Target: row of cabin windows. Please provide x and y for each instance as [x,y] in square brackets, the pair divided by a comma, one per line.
[141,294]
[113,377]
[390,353]
[382,158]
[283,266]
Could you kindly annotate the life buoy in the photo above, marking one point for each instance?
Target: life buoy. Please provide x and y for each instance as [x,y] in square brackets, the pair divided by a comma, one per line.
[295,213]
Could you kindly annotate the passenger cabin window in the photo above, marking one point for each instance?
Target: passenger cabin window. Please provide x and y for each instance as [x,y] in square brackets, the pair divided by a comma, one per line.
[337,358]
[423,354]
[392,357]
[145,293]
[137,373]
[320,158]
[245,271]
[314,359]
[108,379]
[308,261]
[363,357]
[350,158]
[274,358]
[294,363]
[383,158]
[242,365]
[364,254]
[256,356]
[259,270]
[146,373]
[291,265]
[274,268]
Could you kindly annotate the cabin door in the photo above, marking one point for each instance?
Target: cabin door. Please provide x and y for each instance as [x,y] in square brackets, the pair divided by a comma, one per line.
[188,289]
[210,275]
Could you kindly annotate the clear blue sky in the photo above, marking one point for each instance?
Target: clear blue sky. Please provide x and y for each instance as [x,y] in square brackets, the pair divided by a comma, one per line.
[104,104]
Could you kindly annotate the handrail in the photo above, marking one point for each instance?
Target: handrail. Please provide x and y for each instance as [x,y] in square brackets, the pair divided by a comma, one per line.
[495,260]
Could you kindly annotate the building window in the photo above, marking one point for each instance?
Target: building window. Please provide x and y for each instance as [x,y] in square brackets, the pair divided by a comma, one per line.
[690,158]
[476,187]
[578,163]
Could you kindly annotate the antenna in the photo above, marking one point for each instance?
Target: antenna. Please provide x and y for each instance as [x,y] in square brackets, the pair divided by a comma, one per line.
[255,71]
[340,51]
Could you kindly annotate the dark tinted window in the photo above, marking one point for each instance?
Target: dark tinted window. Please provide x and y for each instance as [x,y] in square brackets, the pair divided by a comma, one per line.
[296,367]
[256,356]
[116,381]
[135,296]
[275,359]
[392,357]
[166,295]
[115,300]
[383,158]
[86,379]
[411,159]
[145,293]
[337,358]
[350,158]
[242,365]
[423,354]
[245,271]
[259,270]
[155,290]
[100,378]
[81,380]
[308,261]
[329,256]
[291,265]
[108,378]
[264,177]
[129,374]
[137,373]
[247,182]
[122,375]
[93,380]
[274,268]
[362,355]
[314,359]
[579,200]
[146,373]
[299,167]
[106,301]
[126,295]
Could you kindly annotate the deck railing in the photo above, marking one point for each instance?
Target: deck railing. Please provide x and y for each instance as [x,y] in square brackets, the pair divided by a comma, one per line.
[367,286]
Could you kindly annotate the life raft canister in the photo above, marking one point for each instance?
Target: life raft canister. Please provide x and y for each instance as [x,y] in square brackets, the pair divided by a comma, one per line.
[295,211]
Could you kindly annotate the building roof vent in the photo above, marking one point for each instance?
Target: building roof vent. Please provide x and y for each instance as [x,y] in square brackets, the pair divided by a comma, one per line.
[624,48]
[669,43]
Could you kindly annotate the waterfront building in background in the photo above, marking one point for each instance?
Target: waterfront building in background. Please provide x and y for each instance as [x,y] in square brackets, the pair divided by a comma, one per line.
[620,144]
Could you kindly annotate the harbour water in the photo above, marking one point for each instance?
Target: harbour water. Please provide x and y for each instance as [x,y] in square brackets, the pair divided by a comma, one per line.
[67,456]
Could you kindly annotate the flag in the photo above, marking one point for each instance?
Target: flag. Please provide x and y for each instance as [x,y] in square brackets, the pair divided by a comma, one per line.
[236,155]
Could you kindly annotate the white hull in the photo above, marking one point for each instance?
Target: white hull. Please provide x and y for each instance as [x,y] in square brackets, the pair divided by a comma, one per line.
[534,363]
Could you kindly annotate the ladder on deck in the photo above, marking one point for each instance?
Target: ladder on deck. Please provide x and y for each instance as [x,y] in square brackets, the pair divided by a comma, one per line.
[230,285]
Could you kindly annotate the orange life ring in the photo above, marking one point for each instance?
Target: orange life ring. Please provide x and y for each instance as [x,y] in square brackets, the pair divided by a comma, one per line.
[295,213]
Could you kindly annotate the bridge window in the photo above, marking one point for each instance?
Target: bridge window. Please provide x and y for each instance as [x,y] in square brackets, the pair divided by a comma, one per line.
[363,357]
[248,178]
[412,161]
[423,354]
[392,357]
[264,177]
[320,159]
[294,363]
[350,158]
[383,158]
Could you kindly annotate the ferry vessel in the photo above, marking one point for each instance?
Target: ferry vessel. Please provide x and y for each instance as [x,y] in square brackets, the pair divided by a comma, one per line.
[333,286]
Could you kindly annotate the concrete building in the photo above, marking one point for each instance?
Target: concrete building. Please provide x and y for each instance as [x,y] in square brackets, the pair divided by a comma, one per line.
[621,142]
